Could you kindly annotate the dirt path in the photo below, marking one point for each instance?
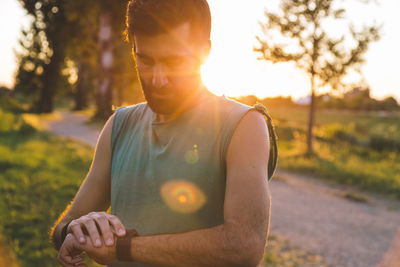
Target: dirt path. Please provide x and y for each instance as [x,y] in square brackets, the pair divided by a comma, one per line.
[73,125]
[307,211]
[320,219]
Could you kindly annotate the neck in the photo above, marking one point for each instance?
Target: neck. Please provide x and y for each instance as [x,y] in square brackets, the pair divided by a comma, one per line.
[189,102]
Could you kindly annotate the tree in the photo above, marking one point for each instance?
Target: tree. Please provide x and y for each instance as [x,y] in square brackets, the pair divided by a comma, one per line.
[81,48]
[100,54]
[389,103]
[85,35]
[43,55]
[299,34]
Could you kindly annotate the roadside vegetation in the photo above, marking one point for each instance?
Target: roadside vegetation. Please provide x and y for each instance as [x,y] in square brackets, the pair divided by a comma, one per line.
[356,148]
[353,149]
[39,175]
[280,252]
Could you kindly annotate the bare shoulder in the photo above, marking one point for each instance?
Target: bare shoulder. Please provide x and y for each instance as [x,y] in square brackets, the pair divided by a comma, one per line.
[109,124]
[250,137]
[253,119]
[105,134]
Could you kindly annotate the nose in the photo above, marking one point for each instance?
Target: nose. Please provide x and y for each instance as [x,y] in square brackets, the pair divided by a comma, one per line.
[159,78]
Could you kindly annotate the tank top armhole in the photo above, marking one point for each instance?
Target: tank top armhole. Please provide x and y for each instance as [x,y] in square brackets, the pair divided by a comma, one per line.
[116,127]
[273,139]
[233,119]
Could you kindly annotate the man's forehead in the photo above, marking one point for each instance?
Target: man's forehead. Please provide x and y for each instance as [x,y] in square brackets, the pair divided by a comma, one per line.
[177,42]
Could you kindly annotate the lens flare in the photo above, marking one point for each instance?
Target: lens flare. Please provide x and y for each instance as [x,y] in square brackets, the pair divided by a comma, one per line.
[192,156]
[182,196]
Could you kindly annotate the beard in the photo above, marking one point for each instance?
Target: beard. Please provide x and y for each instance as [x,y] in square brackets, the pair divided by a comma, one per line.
[167,100]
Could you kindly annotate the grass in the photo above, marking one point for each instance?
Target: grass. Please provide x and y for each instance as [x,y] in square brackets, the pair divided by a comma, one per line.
[355,149]
[280,252]
[41,121]
[7,257]
[39,175]
[298,116]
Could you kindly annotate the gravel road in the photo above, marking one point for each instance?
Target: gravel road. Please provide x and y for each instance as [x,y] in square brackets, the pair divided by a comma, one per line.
[318,218]
[73,125]
[307,211]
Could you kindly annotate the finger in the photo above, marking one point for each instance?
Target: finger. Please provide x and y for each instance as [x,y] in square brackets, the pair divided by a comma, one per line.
[64,259]
[61,261]
[79,263]
[76,230]
[105,229]
[93,232]
[77,260]
[117,224]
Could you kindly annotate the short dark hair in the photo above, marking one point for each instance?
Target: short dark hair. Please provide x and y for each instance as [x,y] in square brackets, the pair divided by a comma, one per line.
[151,17]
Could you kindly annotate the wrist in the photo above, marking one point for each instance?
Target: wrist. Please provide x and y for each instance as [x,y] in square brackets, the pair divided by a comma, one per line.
[64,231]
[123,247]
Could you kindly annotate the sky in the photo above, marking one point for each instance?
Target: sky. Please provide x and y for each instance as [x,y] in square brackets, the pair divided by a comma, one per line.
[232,68]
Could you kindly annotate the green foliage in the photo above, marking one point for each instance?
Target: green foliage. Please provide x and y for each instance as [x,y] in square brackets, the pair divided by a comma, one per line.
[8,103]
[9,123]
[42,56]
[360,167]
[360,150]
[280,252]
[358,99]
[83,50]
[48,59]
[39,175]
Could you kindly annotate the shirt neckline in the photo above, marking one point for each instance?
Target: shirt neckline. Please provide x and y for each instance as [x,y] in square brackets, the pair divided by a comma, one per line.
[202,97]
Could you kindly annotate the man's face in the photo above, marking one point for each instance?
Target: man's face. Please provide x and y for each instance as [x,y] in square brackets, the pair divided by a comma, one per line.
[169,68]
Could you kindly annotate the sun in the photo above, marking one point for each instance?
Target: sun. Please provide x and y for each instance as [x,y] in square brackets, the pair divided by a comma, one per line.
[232,69]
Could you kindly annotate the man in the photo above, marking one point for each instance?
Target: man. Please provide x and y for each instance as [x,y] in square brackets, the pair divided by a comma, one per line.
[187,171]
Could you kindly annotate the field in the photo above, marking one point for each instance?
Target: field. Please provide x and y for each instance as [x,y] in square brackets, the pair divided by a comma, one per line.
[357,149]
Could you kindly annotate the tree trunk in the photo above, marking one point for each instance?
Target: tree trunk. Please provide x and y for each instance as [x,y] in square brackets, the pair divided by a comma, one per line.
[52,71]
[51,75]
[310,136]
[45,103]
[104,92]
[81,94]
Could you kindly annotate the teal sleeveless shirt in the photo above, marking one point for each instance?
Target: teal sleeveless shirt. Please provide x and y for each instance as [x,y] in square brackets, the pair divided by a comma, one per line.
[169,177]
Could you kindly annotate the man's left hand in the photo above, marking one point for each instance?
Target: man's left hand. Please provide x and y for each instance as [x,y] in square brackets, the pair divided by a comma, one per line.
[71,249]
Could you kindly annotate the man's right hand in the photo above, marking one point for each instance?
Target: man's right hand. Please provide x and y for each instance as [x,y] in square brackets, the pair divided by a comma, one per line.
[97,225]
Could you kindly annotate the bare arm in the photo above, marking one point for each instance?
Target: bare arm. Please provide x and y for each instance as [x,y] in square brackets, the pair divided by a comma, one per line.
[94,193]
[391,258]
[241,239]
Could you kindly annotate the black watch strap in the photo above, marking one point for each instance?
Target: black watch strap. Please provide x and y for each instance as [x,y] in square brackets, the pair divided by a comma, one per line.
[64,232]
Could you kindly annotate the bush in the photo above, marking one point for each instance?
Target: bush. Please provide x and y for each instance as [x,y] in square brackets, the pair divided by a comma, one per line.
[288,132]
[381,143]
[339,133]
[10,122]
[8,103]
